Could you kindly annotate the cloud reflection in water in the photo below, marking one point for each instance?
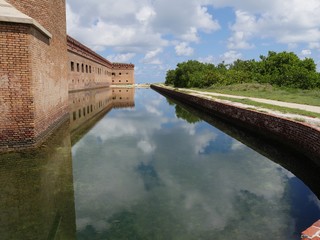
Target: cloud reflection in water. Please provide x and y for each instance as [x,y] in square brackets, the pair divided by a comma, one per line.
[154,175]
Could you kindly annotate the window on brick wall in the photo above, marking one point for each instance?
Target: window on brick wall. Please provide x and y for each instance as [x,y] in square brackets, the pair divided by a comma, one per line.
[74,116]
[87,69]
[72,66]
[113,74]
[78,67]
[82,68]
[119,73]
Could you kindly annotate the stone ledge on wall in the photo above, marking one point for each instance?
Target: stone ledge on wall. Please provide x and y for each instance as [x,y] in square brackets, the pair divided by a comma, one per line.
[10,14]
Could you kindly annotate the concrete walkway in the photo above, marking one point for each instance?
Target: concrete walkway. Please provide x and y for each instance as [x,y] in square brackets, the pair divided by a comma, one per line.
[304,107]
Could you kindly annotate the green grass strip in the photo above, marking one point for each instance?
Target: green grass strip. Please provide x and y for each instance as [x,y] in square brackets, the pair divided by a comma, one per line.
[309,97]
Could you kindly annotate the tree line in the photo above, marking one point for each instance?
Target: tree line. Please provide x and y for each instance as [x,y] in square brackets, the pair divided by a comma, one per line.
[280,69]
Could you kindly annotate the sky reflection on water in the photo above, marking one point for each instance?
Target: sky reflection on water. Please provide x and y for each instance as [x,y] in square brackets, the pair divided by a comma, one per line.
[145,173]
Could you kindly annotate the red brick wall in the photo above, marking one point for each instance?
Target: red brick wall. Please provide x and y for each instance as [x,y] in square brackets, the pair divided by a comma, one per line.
[16,101]
[303,138]
[37,71]
[103,72]
[36,74]
[94,75]
[122,74]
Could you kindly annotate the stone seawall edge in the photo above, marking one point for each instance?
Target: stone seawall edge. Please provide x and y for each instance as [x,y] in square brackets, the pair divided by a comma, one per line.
[291,133]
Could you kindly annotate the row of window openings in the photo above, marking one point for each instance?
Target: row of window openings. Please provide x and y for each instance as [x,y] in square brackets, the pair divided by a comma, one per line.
[115,98]
[87,69]
[120,81]
[89,110]
[120,90]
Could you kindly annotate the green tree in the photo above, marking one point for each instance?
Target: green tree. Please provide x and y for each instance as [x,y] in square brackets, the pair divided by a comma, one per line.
[170,77]
[281,69]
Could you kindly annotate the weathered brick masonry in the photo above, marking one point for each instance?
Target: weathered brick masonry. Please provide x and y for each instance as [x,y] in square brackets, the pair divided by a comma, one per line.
[34,86]
[302,137]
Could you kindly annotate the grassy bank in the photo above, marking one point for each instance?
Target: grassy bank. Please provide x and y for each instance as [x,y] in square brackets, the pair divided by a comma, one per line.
[309,97]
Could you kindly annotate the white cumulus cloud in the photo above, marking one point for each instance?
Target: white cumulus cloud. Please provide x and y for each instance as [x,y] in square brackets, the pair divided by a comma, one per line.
[137,26]
[306,52]
[230,56]
[183,49]
[287,21]
[121,57]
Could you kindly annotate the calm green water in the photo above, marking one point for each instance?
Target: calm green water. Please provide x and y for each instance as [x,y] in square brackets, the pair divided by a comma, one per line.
[133,165]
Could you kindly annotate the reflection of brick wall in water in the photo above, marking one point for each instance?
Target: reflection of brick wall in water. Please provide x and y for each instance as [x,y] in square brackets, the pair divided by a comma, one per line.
[33,74]
[87,106]
[123,97]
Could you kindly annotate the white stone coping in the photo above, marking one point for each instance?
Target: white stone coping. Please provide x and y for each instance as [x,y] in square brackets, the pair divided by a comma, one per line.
[8,13]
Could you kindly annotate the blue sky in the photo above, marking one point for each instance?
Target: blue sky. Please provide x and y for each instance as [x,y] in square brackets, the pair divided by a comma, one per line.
[155,35]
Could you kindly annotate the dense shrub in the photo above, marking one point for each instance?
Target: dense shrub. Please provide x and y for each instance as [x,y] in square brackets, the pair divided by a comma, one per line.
[280,69]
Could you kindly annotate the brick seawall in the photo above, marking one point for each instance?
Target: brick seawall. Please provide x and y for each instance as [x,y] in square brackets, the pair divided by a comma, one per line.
[300,136]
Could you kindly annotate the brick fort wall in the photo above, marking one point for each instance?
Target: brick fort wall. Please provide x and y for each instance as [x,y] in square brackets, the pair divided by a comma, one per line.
[39,66]
[16,118]
[89,70]
[34,77]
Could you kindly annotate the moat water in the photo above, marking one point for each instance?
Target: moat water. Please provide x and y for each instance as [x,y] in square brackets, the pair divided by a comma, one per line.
[134,165]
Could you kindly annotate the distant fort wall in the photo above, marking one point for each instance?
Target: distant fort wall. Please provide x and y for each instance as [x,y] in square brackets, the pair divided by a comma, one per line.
[39,65]
[88,70]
